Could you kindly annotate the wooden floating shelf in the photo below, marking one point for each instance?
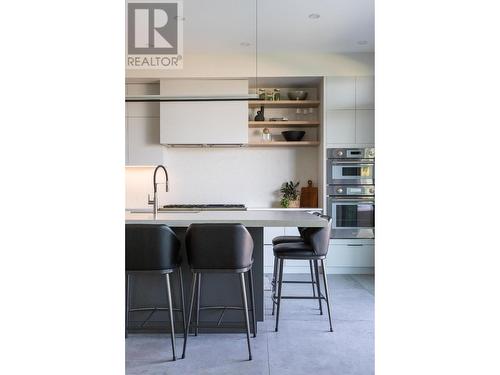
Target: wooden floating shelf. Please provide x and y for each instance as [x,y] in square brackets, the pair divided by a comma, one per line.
[284,103]
[283,144]
[282,124]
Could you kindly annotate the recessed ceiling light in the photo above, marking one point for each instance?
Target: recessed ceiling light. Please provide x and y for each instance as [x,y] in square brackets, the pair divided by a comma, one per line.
[314,16]
[362,42]
[245,44]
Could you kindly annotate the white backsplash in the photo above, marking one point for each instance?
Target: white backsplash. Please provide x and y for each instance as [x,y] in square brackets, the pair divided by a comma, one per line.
[251,176]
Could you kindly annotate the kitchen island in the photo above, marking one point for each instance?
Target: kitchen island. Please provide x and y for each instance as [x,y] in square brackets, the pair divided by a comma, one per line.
[217,289]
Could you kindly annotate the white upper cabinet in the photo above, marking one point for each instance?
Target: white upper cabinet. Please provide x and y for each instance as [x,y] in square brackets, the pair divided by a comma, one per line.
[365,126]
[143,141]
[197,123]
[350,111]
[340,93]
[365,93]
[142,128]
[341,126]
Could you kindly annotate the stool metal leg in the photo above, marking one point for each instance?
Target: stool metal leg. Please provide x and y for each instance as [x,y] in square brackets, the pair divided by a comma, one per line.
[191,304]
[245,309]
[171,313]
[181,286]
[312,277]
[252,298]
[275,278]
[280,283]
[318,287]
[198,288]
[127,302]
[275,272]
[327,293]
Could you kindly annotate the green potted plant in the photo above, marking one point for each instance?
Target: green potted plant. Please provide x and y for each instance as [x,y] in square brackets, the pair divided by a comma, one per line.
[290,195]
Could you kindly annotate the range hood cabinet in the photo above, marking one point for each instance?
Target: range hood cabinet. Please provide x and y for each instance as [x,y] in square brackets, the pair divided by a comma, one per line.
[204,123]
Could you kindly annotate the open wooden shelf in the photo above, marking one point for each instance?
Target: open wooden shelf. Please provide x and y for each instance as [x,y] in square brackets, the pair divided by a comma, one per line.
[284,103]
[283,144]
[282,124]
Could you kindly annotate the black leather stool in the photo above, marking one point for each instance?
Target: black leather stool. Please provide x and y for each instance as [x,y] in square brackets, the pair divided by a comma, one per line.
[314,248]
[220,248]
[153,249]
[289,239]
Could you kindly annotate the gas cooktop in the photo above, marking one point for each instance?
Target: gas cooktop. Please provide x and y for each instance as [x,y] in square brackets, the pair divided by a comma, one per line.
[203,207]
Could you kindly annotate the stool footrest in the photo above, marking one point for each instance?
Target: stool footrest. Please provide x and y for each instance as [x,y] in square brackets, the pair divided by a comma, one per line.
[274,298]
[222,307]
[153,309]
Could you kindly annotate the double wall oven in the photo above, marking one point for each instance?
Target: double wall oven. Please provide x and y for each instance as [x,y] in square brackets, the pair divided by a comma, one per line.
[351,192]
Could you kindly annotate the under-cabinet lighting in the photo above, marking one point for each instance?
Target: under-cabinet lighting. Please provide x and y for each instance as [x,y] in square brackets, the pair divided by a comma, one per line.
[162,98]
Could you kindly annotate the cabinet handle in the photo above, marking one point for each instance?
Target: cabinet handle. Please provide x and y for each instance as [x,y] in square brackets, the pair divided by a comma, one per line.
[354,244]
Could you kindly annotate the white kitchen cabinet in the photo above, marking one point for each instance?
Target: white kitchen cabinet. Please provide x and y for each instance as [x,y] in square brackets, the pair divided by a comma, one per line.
[292,231]
[365,126]
[340,93]
[341,126]
[143,141]
[350,103]
[291,266]
[365,93]
[351,256]
[200,123]
[268,259]
[271,232]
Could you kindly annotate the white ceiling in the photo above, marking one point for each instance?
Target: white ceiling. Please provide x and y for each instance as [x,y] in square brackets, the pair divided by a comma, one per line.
[220,26]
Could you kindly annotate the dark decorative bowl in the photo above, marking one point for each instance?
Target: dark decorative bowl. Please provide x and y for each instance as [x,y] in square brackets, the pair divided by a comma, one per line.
[297,95]
[293,135]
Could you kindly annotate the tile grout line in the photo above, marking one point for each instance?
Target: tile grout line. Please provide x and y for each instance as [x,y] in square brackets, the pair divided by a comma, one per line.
[268,361]
[362,286]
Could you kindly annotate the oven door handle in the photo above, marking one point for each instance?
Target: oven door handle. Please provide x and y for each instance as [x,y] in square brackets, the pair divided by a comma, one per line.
[350,162]
[340,200]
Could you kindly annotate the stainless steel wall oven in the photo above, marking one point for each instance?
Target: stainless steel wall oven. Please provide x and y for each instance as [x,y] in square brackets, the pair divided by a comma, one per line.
[351,192]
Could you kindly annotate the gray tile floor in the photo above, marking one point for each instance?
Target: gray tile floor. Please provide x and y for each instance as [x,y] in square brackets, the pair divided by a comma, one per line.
[303,344]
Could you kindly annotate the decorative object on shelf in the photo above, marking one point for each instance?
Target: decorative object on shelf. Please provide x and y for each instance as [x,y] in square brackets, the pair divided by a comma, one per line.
[260,115]
[290,195]
[262,94]
[309,196]
[266,135]
[276,94]
[269,96]
[297,95]
[293,135]
[278,119]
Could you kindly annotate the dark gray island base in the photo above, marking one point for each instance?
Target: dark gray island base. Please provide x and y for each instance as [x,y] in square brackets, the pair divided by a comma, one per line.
[148,290]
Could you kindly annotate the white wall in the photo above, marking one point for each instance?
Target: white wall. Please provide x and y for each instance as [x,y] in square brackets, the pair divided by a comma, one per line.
[251,176]
[278,65]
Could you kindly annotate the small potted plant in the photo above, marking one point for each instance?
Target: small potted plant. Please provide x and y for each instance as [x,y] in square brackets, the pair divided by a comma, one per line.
[290,195]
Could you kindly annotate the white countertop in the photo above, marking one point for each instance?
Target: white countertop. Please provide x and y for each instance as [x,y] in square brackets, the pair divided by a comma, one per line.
[265,218]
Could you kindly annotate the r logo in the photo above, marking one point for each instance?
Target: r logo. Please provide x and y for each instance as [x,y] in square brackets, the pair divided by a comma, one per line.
[152,28]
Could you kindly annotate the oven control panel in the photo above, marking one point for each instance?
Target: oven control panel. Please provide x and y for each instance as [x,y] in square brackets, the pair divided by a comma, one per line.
[350,190]
[351,153]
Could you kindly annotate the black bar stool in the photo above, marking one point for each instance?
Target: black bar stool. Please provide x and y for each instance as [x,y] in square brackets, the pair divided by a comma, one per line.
[314,248]
[220,248]
[153,248]
[289,239]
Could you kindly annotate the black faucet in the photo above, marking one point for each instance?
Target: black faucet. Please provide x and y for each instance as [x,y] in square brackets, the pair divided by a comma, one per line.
[154,202]
[155,184]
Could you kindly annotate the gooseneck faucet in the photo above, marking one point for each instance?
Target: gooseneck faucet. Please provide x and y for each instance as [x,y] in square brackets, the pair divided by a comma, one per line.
[154,201]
